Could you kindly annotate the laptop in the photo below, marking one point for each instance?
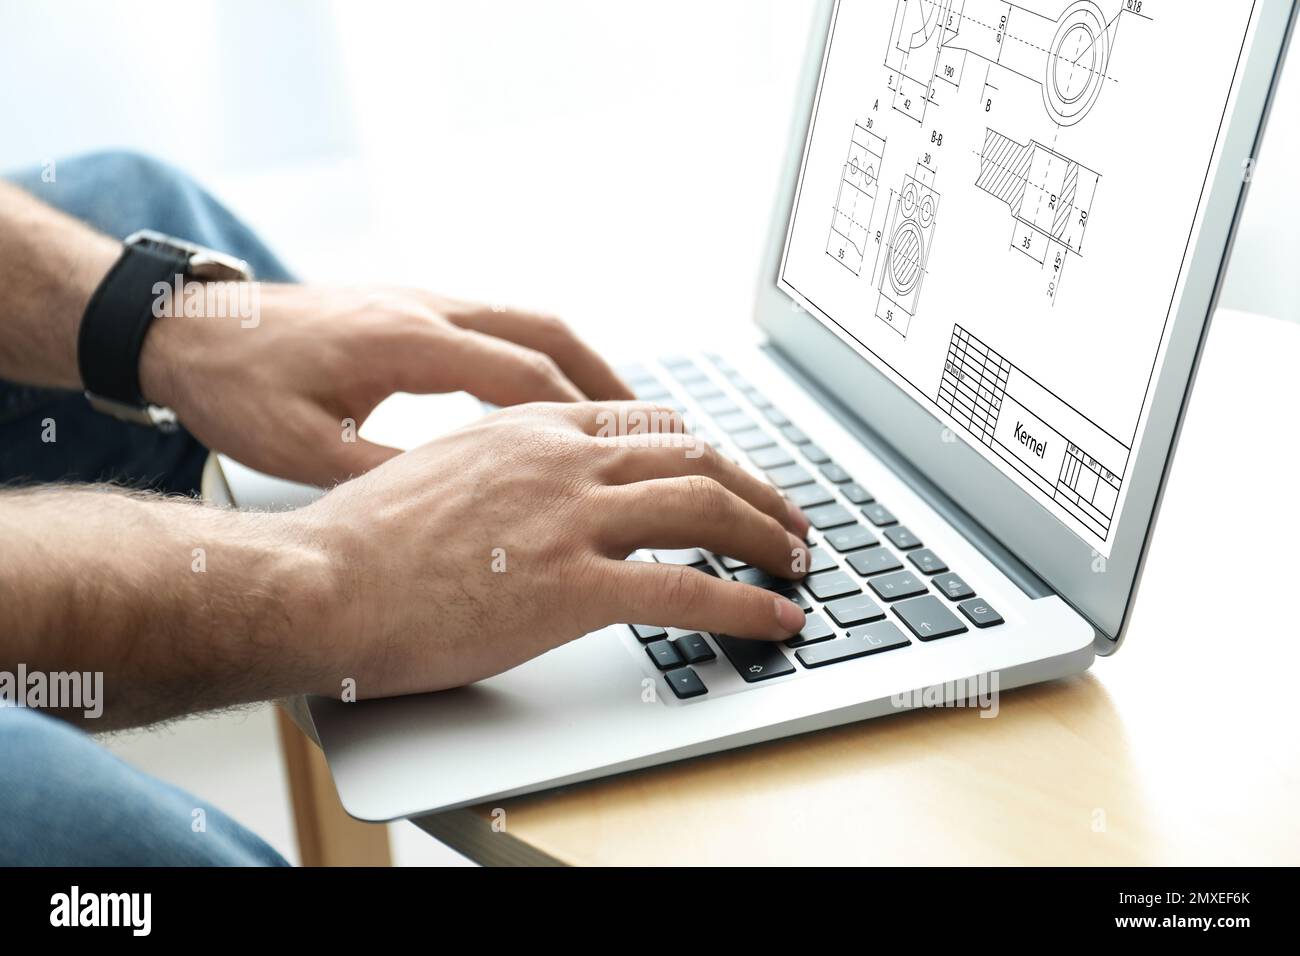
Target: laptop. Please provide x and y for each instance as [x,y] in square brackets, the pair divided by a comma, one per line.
[996,248]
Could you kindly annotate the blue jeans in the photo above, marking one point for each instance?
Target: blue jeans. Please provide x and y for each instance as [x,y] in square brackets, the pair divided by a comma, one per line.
[64,800]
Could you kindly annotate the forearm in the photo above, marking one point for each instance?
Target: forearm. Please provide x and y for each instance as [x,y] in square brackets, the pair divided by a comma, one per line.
[182,607]
[50,265]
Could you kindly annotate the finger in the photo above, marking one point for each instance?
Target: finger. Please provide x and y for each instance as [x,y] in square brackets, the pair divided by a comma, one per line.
[549,335]
[697,512]
[636,460]
[344,453]
[319,449]
[673,596]
[492,369]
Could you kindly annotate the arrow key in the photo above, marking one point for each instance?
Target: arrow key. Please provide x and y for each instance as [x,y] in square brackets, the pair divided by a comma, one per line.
[685,683]
[928,618]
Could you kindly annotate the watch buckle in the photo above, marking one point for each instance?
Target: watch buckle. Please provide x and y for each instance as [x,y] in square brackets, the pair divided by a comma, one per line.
[151,416]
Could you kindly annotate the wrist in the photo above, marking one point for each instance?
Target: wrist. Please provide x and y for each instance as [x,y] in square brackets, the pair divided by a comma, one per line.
[318,575]
[81,270]
[161,360]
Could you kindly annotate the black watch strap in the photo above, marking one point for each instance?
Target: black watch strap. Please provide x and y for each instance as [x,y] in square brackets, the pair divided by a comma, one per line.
[118,317]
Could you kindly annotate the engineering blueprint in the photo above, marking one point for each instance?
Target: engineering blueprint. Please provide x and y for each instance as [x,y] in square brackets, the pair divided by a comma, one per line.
[996,206]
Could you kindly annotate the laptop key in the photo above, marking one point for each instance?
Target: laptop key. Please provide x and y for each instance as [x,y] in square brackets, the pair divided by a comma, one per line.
[757,398]
[819,560]
[732,564]
[773,457]
[815,454]
[875,561]
[789,476]
[928,618]
[664,655]
[792,595]
[717,404]
[652,392]
[685,683]
[851,538]
[809,496]
[833,515]
[761,579]
[751,439]
[902,538]
[856,493]
[872,639]
[835,474]
[706,391]
[734,422]
[829,585]
[927,562]
[953,587]
[754,660]
[899,585]
[814,630]
[980,613]
[694,649]
[879,515]
[858,609]
[648,632]
[775,416]
[794,435]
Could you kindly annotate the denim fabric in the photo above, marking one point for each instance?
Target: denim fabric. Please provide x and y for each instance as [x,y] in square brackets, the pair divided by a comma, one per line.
[66,801]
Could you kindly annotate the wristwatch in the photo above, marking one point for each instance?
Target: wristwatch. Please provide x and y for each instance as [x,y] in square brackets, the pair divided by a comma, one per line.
[122,309]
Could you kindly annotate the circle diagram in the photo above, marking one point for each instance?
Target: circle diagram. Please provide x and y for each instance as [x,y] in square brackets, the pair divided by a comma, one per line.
[905,258]
[1076,63]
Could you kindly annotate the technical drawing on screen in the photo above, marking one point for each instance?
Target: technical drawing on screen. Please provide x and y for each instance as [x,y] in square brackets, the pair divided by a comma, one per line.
[995,207]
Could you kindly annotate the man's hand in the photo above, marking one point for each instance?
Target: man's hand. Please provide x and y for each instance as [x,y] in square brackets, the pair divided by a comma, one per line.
[443,566]
[276,395]
[505,539]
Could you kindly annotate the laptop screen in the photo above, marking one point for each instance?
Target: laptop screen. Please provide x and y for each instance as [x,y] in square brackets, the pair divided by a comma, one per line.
[996,206]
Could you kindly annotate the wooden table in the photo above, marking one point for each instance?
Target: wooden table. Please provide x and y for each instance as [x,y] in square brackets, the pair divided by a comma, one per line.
[1180,749]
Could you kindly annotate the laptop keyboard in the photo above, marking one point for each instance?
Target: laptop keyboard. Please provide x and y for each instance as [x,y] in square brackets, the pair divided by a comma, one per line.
[873,586]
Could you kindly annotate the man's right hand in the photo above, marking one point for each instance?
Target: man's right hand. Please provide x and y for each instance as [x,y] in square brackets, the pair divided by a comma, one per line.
[493,544]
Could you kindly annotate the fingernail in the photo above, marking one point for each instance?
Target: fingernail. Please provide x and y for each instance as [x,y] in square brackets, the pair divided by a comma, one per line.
[788,616]
[798,518]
